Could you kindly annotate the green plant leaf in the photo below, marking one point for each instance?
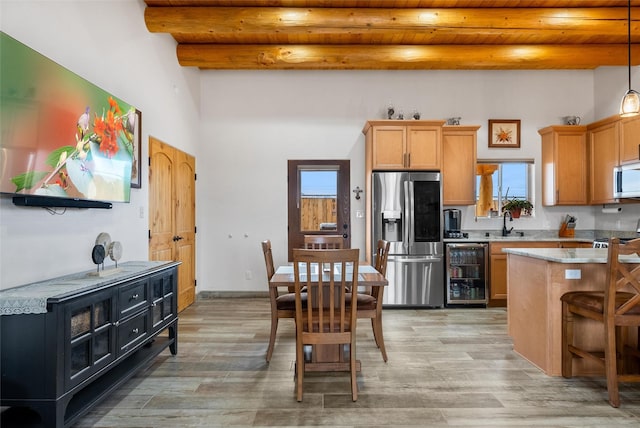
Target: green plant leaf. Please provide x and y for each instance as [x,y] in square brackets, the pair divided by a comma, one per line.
[28,179]
[54,156]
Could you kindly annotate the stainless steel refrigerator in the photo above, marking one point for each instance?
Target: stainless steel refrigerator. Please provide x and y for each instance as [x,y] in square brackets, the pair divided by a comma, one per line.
[407,212]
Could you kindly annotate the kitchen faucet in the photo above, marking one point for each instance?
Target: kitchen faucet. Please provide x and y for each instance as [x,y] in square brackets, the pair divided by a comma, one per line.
[506,231]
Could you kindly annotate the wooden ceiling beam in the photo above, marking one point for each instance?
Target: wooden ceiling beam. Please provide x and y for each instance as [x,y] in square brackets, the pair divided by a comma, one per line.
[361,57]
[607,24]
[393,3]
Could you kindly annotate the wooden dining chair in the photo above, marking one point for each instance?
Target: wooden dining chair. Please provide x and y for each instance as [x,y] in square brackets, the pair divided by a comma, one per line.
[323,242]
[370,300]
[327,318]
[617,308]
[282,305]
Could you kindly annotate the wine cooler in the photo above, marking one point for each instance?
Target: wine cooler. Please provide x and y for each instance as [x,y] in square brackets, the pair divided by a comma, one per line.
[467,274]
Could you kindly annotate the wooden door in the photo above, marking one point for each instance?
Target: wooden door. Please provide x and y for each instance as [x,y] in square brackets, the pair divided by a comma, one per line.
[295,225]
[172,213]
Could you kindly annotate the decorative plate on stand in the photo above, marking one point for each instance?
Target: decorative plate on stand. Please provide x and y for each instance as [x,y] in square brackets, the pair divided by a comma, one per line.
[104,239]
[103,247]
[115,251]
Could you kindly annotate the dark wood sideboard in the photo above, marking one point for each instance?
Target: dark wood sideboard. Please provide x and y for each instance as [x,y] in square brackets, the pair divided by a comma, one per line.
[91,339]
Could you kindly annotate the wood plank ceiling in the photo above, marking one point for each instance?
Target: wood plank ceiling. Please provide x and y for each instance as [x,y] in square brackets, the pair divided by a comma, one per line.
[397,34]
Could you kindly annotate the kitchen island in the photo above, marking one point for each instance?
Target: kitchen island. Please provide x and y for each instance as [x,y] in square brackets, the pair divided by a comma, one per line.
[536,279]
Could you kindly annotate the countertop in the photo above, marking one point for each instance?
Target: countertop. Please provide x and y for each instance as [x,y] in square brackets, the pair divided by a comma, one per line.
[519,236]
[569,255]
[539,236]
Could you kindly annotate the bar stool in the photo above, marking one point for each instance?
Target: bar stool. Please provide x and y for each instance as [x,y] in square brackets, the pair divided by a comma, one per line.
[617,308]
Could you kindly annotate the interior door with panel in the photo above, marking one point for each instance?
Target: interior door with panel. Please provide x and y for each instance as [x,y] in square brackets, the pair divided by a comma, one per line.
[318,201]
[172,214]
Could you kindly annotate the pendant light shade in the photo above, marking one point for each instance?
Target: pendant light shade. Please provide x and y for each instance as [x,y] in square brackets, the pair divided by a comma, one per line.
[630,105]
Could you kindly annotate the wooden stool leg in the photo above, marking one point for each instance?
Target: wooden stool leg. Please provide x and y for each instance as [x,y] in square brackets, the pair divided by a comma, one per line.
[610,362]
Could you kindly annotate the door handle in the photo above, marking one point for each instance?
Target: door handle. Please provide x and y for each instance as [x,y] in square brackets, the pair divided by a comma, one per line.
[177,238]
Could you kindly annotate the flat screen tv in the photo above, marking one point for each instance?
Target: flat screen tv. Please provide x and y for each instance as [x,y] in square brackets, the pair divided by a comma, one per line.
[63,140]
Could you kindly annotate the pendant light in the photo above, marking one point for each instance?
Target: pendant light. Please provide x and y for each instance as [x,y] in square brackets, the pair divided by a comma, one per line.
[630,105]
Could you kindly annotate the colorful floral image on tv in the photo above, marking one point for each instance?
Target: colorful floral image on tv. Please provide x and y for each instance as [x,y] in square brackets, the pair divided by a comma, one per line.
[60,135]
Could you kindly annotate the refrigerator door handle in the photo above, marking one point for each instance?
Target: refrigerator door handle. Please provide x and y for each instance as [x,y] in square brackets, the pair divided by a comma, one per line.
[408,207]
[407,215]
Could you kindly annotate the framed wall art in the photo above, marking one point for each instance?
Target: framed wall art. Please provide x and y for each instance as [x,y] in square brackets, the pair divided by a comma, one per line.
[137,152]
[504,133]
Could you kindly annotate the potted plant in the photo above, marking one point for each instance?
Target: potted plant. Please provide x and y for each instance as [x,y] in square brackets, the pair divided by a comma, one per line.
[517,207]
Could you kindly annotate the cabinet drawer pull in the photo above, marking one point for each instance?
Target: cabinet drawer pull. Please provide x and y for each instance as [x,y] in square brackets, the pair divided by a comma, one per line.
[135,296]
[135,331]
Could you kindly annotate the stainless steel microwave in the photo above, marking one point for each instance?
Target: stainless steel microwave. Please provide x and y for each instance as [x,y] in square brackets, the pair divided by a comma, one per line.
[626,181]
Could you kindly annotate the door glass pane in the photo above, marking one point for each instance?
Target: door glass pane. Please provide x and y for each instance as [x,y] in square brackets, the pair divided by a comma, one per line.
[318,199]
[101,345]
[157,289]
[157,313]
[79,357]
[80,321]
[101,315]
[427,212]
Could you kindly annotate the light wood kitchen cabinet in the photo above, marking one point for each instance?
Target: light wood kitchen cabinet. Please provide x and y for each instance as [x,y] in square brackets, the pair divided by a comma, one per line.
[604,154]
[404,144]
[564,165]
[459,148]
[630,140]
[498,264]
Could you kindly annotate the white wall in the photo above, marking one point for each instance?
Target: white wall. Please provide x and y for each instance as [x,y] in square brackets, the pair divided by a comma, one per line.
[107,43]
[254,121]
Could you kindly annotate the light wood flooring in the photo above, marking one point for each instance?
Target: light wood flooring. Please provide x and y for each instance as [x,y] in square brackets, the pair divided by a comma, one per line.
[446,368]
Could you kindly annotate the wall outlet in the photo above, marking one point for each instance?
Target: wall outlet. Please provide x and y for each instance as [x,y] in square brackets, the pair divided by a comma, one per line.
[572,274]
[248,275]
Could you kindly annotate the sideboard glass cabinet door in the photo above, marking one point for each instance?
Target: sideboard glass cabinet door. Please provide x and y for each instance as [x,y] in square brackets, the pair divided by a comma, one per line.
[90,337]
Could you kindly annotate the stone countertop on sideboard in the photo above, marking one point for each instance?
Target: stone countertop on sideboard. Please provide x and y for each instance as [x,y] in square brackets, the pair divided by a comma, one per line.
[569,255]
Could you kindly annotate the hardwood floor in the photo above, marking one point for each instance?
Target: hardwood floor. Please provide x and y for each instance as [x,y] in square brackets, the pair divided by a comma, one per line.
[449,367]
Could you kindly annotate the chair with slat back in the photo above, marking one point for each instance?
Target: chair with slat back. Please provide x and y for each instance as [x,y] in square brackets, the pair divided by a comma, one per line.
[370,299]
[282,305]
[617,308]
[327,318]
[323,242]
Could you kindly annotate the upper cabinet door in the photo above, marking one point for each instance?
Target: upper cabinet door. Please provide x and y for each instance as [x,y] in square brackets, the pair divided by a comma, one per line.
[459,158]
[397,145]
[604,155]
[424,147]
[564,165]
[630,140]
[389,146]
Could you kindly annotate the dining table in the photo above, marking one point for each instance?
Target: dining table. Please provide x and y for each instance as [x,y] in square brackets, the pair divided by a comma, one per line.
[329,357]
